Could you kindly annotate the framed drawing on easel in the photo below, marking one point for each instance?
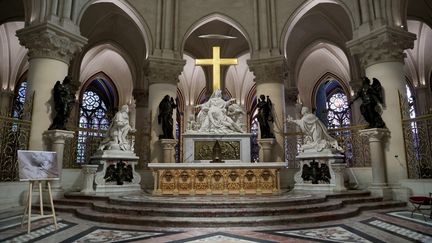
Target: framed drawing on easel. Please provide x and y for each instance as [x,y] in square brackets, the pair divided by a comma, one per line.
[38,167]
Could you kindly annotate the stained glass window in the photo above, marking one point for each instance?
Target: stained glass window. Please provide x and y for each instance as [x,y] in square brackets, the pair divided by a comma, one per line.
[94,117]
[18,105]
[338,111]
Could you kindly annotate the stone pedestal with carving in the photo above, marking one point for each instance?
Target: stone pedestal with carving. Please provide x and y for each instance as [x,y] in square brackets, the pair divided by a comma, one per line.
[168,149]
[339,171]
[111,159]
[88,172]
[266,145]
[329,161]
[55,140]
[376,137]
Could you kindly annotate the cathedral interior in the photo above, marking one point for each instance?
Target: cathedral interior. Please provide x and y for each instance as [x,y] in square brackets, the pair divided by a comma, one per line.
[124,56]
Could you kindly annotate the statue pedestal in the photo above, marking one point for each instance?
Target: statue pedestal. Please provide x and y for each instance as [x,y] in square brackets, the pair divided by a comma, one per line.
[376,137]
[330,166]
[111,159]
[198,148]
[266,144]
[168,148]
[56,140]
[88,172]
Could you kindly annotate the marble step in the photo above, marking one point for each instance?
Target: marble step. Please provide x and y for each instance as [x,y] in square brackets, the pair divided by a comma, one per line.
[239,210]
[167,221]
[215,212]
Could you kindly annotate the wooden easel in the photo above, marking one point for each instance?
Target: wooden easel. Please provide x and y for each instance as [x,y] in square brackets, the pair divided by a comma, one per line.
[27,211]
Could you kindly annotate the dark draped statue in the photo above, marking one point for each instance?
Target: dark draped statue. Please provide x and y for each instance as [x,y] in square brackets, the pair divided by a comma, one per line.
[166,107]
[64,99]
[265,116]
[371,95]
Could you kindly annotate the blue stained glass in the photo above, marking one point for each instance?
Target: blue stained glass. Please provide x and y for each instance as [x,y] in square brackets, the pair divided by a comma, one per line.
[18,106]
[94,115]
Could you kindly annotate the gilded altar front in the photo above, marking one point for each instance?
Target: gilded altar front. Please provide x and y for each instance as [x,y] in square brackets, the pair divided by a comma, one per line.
[211,179]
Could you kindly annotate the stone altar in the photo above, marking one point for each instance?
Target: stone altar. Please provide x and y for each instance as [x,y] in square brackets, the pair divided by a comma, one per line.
[216,179]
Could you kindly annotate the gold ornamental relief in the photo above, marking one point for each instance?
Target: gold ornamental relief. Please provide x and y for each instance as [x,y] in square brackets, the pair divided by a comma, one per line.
[230,150]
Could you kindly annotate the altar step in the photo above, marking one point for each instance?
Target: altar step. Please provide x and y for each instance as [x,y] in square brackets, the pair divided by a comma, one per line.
[223,211]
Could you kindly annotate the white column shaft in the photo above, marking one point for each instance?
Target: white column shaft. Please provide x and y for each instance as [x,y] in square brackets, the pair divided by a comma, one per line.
[156,93]
[42,75]
[391,76]
[276,93]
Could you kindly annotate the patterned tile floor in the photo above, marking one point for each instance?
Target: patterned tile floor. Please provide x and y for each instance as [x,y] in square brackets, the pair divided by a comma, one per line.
[395,226]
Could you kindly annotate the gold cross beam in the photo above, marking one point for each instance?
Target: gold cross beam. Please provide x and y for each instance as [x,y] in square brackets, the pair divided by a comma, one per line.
[216,62]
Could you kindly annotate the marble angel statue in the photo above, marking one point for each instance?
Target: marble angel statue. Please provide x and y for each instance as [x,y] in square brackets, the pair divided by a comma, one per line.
[316,136]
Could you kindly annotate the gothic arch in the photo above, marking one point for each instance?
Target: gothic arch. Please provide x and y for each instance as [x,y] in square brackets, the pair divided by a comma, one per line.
[212,17]
[129,12]
[300,12]
[123,82]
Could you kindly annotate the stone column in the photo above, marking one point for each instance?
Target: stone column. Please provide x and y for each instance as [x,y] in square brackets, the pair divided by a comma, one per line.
[269,75]
[142,125]
[6,98]
[88,172]
[168,150]
[339,171]
[376,137]
[381,54]
[163,77]
[56,140]
[266,145]
[50,49]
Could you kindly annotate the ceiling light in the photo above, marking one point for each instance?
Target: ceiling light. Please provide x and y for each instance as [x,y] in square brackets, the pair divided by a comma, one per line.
[216,36]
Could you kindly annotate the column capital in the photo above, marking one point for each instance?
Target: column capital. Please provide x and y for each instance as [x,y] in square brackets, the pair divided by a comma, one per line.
[48,40]
[163,70]
[269,70]
[386,44]
[141,97]
[375,134]
[58,135]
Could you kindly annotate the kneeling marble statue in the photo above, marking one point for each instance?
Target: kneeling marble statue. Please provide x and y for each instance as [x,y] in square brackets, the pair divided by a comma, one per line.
[316,136]
[116,137]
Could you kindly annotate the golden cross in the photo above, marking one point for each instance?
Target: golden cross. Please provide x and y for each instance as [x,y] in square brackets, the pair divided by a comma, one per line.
[216,62]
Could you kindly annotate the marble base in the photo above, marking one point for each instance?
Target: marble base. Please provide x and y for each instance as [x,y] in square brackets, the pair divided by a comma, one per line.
[88,172]
[189,141]
[381,191]
[106,158]
[335,163]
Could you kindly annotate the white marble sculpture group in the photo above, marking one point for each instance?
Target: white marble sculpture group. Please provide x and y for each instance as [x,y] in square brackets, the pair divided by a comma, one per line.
[316,138]
[117,135]
[217,116]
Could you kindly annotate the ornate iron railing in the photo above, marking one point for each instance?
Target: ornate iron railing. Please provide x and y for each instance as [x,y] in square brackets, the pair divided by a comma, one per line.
[356,147]
[14,136]
[83,145]
[418,146]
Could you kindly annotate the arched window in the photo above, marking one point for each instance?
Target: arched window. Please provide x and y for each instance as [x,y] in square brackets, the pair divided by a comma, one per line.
[332,104]
[97,102]
[338,112]
[19,100]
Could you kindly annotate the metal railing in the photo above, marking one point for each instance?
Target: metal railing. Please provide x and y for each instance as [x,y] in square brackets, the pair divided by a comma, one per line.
[418,146]
[356,147]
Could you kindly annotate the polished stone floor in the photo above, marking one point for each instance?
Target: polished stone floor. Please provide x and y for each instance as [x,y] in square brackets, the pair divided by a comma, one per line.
[393,226]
